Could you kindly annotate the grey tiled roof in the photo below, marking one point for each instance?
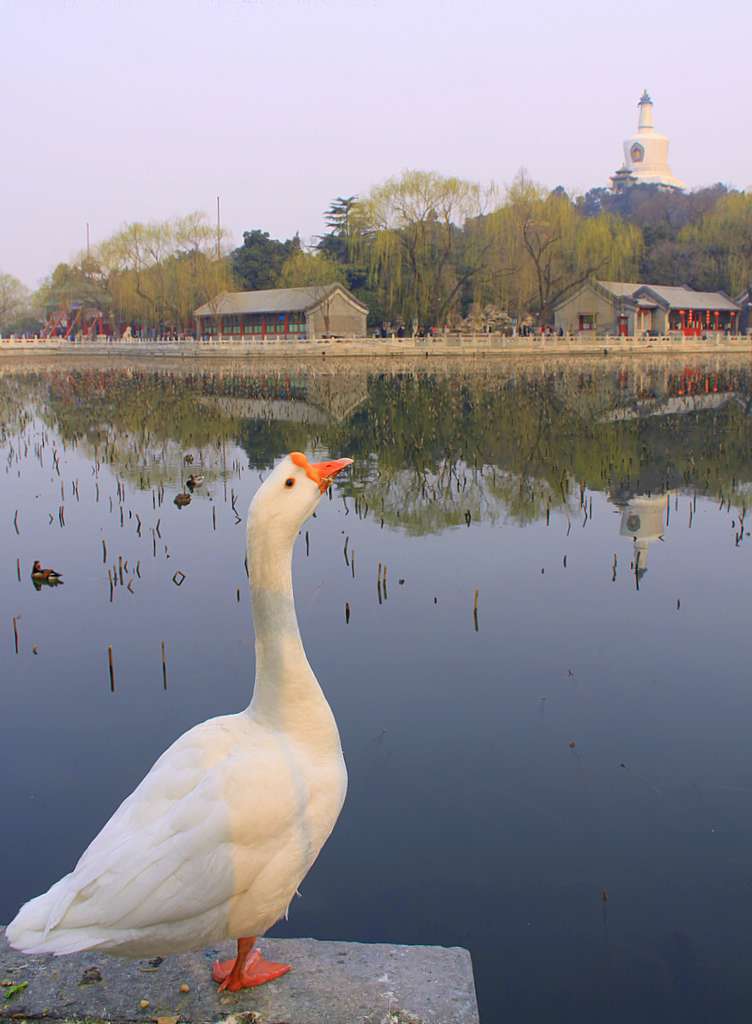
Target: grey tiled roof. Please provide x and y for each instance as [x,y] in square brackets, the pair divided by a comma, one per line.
[688,298]
[271,300]
[621,288]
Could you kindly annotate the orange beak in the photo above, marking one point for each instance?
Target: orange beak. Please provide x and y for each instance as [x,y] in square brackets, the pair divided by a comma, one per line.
[322,473]
[326,471]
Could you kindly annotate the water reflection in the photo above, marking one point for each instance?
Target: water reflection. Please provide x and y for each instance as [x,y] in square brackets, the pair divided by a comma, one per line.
[642,520]
[432,447]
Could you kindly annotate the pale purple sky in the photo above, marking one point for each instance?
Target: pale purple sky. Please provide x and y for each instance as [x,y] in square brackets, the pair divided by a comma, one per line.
[118,111]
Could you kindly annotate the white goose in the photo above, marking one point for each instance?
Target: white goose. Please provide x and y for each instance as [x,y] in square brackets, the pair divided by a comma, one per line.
[217,838]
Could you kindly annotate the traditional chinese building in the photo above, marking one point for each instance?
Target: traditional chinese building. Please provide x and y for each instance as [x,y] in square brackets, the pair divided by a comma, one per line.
[745,305]
[645,155]
[629,308]
[284,314]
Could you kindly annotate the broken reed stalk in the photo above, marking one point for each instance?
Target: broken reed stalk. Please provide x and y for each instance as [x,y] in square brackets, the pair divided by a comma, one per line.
[104,552]
[347,612]
[18,569]
[15,633]
[307,544]
[111,667]
[164,668]
[475,610]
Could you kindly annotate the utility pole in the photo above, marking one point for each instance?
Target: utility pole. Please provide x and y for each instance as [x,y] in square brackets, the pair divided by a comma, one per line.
[219,230]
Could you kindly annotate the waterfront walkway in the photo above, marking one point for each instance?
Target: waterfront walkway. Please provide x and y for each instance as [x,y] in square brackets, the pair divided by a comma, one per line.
[442,345]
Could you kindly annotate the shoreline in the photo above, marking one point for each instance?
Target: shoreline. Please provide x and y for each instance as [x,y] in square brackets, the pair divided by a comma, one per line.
[411,348]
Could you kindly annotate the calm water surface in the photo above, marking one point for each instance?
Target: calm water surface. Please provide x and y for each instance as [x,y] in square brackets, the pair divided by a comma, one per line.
[561,784]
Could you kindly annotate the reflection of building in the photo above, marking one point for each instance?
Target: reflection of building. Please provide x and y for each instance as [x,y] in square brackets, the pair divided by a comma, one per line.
[645,155]
[629,308]
[292,314]
[642,520]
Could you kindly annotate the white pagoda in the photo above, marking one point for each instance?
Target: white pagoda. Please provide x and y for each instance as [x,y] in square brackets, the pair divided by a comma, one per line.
[645,155]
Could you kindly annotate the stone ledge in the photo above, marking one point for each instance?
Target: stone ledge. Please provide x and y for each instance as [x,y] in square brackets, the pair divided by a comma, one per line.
[331,983]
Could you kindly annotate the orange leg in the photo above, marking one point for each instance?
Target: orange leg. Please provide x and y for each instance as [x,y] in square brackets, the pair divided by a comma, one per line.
[248,969]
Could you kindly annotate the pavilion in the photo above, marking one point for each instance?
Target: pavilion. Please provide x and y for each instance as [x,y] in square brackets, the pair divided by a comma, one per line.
[284,314]
[630,308]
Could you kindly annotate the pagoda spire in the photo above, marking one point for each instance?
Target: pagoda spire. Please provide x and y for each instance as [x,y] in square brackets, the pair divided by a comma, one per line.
[646,112]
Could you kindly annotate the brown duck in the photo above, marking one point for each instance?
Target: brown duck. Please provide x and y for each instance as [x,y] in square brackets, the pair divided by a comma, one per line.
[40,575]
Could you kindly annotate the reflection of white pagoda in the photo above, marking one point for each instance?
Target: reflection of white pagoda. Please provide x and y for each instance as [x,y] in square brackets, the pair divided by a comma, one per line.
[645,155]
[642,519]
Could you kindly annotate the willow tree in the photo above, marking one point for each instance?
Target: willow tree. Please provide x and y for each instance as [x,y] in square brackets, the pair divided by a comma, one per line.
[160,272]
[84,282]
[310,269]
[14,301]
[409,233]
[724,239]
[549,248]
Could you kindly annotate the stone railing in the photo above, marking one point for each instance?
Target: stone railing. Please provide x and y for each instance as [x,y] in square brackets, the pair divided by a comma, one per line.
[439,344]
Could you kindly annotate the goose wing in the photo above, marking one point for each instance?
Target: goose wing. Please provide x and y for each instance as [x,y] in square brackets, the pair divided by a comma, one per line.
[176,848]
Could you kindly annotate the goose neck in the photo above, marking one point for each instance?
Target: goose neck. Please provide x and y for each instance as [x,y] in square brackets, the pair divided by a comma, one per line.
[285,690]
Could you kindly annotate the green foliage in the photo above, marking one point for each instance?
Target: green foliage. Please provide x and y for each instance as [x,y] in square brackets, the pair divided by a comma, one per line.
[11,989]
[336,243]
[311,269]
[544,247]
[158,273]
[699,238]
[409,232]
[724,236]
[258,262]
[15,304]
[420,249]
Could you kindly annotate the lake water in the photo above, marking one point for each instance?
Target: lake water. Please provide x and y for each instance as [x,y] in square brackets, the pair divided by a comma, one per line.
[560,782]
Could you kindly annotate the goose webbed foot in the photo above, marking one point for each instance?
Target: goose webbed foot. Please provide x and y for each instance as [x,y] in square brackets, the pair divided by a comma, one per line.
[248,969]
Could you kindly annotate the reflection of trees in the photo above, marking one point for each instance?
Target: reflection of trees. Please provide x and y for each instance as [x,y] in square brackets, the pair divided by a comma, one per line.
[491,440]
[495,443]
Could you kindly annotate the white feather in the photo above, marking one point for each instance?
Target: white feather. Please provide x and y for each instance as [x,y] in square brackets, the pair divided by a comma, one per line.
[215,840]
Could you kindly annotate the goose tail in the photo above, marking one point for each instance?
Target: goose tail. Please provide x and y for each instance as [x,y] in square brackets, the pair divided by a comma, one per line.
[32,929]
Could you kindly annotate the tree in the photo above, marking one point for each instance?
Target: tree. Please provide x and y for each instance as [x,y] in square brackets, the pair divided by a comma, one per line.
[307,268]
[158,273]
[724,235]
[257,263]
[336,243]
[83,282]
[409,233]
[14,302]
[551,248]
[316,272]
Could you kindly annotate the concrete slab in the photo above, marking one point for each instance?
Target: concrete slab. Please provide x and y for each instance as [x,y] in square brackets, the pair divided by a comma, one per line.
[331,983]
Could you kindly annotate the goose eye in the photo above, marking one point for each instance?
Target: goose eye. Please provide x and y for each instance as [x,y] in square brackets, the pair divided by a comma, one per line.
[290,482]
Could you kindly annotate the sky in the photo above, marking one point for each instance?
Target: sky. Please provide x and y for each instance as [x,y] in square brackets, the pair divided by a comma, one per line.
[117,111]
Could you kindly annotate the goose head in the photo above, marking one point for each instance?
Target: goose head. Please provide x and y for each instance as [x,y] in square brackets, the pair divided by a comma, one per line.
[291,492]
